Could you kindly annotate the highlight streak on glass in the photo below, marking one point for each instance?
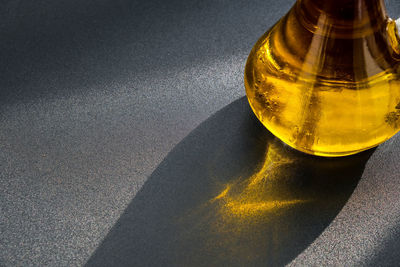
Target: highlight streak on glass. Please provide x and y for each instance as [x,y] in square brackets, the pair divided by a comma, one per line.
[326,78]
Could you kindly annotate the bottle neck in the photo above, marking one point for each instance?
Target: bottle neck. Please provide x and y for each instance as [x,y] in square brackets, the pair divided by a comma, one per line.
[344,17]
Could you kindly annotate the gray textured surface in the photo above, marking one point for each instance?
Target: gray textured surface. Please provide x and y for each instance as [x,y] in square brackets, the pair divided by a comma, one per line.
[95,94]
[182,217]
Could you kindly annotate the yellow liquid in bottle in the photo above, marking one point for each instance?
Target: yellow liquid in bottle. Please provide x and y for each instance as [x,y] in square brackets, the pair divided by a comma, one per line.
[325,79]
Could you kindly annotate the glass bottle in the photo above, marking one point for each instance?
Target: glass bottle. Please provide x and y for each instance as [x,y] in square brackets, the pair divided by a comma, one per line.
[325,79]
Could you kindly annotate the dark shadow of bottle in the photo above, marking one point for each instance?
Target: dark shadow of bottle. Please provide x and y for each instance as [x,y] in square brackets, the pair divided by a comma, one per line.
[230,194]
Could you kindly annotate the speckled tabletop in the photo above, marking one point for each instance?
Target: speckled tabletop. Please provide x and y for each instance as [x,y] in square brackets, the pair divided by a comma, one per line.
[126,139]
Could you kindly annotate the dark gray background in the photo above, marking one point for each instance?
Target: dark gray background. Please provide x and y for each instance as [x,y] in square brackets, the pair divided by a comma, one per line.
[95,94]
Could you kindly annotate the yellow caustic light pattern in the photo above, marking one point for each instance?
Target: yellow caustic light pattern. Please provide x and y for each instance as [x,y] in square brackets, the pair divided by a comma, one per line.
[326,78]
[270,210]
[258,194]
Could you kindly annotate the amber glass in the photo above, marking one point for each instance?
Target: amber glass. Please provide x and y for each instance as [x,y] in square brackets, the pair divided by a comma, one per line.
[326,78]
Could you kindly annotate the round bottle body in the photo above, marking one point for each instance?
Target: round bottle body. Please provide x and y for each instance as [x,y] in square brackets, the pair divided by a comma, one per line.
[323,93]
